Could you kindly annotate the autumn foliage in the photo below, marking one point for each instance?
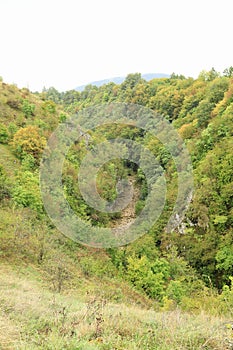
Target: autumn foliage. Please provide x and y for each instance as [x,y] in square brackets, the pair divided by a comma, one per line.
[28,141]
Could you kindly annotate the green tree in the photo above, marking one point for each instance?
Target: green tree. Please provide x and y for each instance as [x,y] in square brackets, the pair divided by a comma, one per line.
[228,72]
[28,108]
[26,191]
[149,276]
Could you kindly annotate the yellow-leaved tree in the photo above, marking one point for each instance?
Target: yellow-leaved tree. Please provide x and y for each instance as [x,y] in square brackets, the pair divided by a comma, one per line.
[28,141]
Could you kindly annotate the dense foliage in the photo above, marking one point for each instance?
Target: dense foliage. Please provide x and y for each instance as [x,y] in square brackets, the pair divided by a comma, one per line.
[167,267]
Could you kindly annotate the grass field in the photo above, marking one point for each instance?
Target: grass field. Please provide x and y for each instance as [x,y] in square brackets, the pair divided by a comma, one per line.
[7,159]
[34,317]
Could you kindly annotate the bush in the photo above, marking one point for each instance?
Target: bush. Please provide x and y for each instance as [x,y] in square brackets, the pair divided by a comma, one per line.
[4,135]
[4,185]
[226,297]
[12,128]
[176,291]
[26,191]
[148,276]
[28,141]
[28,108]
[49,106]
[58,270]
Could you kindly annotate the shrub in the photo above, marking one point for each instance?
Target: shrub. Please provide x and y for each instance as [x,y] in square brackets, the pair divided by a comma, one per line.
[149,276]
[176,291]
[26,191]
[4,135]
[28,108]
[4,185]
[28,141]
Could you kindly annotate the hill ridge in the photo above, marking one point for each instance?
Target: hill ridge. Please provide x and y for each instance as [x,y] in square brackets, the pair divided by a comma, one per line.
[120,79]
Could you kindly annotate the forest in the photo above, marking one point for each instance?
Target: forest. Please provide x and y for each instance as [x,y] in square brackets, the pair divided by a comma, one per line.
[164,290]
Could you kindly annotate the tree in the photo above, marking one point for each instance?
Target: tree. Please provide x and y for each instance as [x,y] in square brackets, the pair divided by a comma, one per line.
[28,108]
[49,107]
[28,141]
[208,75]
[228,72]
[131,81]
[177,76]
[26,191]
[52,94]
[149,276]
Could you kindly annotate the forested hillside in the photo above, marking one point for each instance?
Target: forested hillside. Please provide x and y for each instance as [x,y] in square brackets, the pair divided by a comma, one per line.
[177,274]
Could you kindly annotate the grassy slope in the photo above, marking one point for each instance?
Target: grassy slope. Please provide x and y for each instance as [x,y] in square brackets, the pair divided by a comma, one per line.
[33,317]
[8,160]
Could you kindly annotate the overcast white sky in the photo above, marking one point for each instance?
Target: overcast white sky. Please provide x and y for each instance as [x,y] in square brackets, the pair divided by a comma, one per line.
[66,43]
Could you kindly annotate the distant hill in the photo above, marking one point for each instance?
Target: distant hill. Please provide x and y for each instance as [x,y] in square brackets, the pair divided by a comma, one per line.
[119,80]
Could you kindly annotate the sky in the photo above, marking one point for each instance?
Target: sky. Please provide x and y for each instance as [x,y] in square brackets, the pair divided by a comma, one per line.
[67,43]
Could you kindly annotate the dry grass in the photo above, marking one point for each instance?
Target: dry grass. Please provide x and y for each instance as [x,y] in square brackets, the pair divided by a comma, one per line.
[9,333]
[33,317]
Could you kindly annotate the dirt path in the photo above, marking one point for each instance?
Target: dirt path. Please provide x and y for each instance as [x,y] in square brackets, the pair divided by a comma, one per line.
[128,214]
